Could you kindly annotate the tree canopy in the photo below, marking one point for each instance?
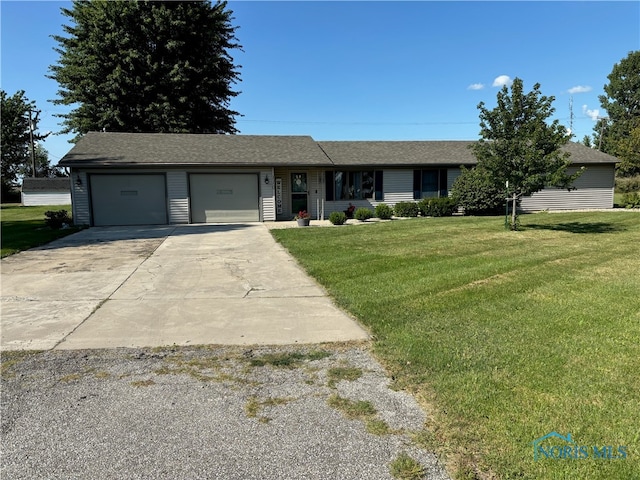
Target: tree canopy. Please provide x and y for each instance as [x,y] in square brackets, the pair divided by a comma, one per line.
[15,143]
[619,134]
[518,145]
[143,66]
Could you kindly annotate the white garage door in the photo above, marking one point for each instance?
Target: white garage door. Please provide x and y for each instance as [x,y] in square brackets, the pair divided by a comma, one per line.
[128,199]
[224,198]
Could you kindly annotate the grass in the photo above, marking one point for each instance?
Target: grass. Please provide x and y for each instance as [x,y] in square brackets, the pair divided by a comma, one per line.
[360,410]
[24,227]
[406,468]
[11,358]
[502,336]
[288,359]
[204,369]
[338,374]
[254,406]
[352,409]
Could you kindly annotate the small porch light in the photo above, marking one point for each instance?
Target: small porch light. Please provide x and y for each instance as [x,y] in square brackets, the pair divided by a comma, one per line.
[78,180]
[266,179]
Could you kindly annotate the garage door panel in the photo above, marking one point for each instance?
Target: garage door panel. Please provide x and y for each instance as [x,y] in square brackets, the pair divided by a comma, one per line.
[224,198]
[128,199]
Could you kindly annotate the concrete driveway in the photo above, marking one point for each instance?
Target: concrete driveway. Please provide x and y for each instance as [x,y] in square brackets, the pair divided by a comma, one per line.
[111,287]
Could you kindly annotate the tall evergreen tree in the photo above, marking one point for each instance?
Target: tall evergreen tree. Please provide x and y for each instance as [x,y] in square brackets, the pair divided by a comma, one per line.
[518,146]
[146,66]
[618,135]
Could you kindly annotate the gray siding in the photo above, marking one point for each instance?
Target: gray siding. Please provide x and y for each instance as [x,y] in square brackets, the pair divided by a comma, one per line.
[267,196]
[397,186]
[594,190]
[31,199]
[80,196]
[178,197]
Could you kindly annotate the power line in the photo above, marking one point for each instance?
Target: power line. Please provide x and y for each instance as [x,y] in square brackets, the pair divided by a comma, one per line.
[309,122]
[399,124]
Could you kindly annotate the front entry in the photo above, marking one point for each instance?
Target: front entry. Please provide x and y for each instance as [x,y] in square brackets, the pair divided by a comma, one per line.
[299,193]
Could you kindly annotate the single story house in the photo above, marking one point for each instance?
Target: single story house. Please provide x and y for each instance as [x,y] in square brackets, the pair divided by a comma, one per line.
[46,191]
[156,178]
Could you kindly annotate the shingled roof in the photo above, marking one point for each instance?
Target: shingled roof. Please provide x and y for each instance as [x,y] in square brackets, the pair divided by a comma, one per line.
[581,154]
[177,149]
[165,149]
[399,153]
[60,184]
[412,153]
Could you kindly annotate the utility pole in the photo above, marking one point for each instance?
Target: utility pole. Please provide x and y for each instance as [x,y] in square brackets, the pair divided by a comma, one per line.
[33,121]
[31,144]
[601,131]
[571,115]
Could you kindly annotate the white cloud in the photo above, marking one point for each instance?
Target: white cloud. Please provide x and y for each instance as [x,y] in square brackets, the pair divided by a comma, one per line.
[592,114]
[502,80]
[579,89]
[476,86]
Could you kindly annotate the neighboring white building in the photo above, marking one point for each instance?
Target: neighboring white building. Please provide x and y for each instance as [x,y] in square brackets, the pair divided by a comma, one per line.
[46,191]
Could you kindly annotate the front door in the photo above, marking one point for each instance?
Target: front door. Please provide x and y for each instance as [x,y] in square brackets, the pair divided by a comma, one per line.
[299,192]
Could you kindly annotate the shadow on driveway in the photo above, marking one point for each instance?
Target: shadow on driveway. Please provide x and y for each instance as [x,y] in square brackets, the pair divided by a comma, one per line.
[111,287]
[143,232]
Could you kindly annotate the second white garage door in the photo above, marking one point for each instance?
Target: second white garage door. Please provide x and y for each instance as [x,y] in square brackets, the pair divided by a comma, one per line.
[224,198]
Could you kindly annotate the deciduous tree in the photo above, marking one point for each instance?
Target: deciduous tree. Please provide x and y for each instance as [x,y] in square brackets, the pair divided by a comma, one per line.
[17,112]
[618,135]
[519,148]
[44,168]
[143,66]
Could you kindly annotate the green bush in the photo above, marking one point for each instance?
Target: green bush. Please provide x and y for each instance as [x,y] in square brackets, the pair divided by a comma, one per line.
[437,207]
[406,209]
[10,194]
[628,184]
[338,218]
[631,200]
[383,211]
[477,192]
[363,214]
[57,219]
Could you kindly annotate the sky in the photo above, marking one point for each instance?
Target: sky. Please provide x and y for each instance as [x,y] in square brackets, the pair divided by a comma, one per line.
[378,70]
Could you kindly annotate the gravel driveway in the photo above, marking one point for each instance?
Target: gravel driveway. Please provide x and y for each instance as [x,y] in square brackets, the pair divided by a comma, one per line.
[205,412]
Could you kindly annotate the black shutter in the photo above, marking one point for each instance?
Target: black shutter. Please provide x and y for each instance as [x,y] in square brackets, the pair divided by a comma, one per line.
[417,184]
[329,183]
[377,185]
[443,182]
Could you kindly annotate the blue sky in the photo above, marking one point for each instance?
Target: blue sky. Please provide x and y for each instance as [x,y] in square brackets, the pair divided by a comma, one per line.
[374,70]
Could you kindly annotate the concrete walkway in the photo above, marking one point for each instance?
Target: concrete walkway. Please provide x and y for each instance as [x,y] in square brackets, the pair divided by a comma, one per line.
[111,287]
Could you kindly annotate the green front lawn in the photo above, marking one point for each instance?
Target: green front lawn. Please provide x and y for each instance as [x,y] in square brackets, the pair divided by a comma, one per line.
[503,336]
[24,227]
